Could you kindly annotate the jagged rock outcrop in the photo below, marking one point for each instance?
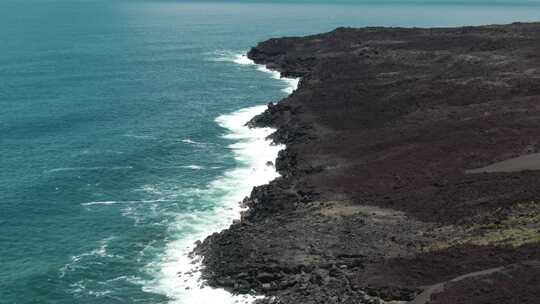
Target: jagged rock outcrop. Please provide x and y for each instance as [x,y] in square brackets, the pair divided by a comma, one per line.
[376,199]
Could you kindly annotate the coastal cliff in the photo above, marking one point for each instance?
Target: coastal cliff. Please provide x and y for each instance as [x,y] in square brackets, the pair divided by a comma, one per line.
[410,171]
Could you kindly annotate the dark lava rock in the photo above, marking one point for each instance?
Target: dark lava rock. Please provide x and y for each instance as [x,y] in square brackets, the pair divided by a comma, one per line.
[375,200]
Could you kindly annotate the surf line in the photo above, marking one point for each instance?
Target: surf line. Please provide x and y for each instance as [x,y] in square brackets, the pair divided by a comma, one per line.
[179,274]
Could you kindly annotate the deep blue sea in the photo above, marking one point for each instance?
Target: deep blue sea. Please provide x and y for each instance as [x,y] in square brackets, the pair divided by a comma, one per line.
[122,138]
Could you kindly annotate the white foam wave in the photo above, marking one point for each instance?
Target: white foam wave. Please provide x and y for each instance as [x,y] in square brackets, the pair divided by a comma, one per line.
[137,136]
[242,59]
[76,260]
[229,56]
[100,203]
[123,202]
[177,273]
[189,141]
[193,167]
[194,143]
[88,169]
[291,83]
[264,69]
[151,189]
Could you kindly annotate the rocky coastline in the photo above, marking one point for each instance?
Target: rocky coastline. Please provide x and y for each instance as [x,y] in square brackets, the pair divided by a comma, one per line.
[410,173]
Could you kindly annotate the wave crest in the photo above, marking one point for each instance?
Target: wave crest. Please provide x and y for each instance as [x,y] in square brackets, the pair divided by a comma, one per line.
[178,273]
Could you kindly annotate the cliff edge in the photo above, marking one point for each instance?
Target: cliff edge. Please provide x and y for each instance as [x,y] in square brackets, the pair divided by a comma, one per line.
[411,172]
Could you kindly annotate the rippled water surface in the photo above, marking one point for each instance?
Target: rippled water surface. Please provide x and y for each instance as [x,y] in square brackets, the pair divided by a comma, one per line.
[121,137]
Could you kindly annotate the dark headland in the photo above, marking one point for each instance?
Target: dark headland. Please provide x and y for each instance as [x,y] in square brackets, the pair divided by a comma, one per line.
[411,171]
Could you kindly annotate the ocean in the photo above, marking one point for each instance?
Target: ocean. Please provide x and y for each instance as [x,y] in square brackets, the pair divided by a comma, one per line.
[122,137]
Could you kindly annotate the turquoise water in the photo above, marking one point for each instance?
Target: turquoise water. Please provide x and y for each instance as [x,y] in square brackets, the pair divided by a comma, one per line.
[111,158]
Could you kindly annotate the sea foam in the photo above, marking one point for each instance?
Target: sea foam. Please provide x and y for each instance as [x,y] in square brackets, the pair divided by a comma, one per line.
[88,169]
[242,59]
[178,272]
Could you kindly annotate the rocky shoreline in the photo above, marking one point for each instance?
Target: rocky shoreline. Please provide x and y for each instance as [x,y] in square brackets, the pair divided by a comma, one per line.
[410,172]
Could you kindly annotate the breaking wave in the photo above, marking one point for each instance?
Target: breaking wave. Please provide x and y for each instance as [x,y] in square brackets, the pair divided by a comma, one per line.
[177,273]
